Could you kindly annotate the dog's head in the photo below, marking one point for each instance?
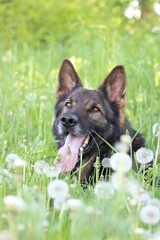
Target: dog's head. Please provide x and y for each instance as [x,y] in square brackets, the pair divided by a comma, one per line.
[85,117]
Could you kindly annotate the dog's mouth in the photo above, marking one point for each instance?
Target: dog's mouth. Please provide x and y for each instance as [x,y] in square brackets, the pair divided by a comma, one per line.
[68,154]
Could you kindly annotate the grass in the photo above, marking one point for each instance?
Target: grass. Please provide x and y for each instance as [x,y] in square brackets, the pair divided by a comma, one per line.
[28,78]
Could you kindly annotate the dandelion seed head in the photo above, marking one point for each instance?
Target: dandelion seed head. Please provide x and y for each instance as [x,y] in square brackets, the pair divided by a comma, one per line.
[40,166]
[121,162]
[52,172]
[125,139]
[144,155]
[57,189]
[104,190]
[105,162]
[121,147]
[11,158]
[14,203]
[155,202]
[150,214]
[157,7]
[156,129]
[73,204]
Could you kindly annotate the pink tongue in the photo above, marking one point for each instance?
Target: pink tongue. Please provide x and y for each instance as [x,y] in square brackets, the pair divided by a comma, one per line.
[69,153]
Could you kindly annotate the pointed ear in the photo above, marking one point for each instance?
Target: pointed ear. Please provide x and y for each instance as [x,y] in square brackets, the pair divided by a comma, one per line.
[67,79]
[115,86]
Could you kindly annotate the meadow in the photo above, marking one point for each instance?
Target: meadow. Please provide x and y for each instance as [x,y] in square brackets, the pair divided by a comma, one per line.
[35,37]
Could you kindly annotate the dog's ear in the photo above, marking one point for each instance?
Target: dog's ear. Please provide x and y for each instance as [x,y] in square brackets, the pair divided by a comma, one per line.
[115,86]
[67,79]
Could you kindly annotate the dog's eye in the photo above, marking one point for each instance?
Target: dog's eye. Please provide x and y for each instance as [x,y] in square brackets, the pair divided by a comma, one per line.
[96,109]
[68,104]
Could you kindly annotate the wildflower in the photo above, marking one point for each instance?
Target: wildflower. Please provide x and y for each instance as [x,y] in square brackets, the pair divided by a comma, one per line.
[155,236]
[14,203]
[40,166]
[121,162]
[125,139]
[11,158]
[52,172]
[57,189]
[6,235]
[119,182]
[157,7]
[104,190]
[141,195]
[156,129]
[144,155]
[105,162]
[43,98]
[121,147]
[19,164]
[73,204]
[154,202]
[133,10]
[150,215]
[139,231]
[58,203]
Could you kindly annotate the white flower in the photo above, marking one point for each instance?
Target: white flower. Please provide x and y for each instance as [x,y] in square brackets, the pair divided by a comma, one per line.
[14,203]
[139,231]
[104,190]
[11,158]
[154,202]
[157,7]
[52,172]
[121,147]
[141,195]
[43,98]
[156,129]
[6,173]
[19,164]
[119,182]
[6,235]
[121,162]
[73,204]
[4,58]
[155,236]
[133,10]
[58,203]
[105,162]
[150,215]
[40,166]
[144,155]
[57,189]
[125,139]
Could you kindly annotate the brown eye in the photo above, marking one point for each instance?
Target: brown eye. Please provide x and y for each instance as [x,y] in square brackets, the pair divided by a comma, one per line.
[96,109]
[68,104]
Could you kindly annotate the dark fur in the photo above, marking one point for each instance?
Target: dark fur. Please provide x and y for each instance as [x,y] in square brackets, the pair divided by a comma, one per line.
[109,121]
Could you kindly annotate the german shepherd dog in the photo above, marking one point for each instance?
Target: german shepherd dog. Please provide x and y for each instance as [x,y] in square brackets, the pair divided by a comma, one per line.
[87,118]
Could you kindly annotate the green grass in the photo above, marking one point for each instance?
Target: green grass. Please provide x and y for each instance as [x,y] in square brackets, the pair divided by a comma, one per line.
[28,79]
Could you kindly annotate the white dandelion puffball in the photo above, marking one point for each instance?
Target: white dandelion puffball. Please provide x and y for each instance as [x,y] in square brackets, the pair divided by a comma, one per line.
[150,215]
[141,195]
[57,189]
[104,190]
[40,166]
[52,172]
[154,202]
[144,155]
[125,139]
[156,129]
[11,158]
[59,203]
[14,203]
[19,165]
[73,204]
[121,147]
[105,162]
[155,236]
[121,162]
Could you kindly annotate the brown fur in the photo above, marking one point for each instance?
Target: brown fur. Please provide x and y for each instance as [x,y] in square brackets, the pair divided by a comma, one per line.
[98,111]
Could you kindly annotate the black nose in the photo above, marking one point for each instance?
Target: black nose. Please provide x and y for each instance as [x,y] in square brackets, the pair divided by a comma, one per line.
[69,120]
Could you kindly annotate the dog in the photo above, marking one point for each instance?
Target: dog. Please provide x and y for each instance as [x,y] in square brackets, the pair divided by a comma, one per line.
[86,119]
